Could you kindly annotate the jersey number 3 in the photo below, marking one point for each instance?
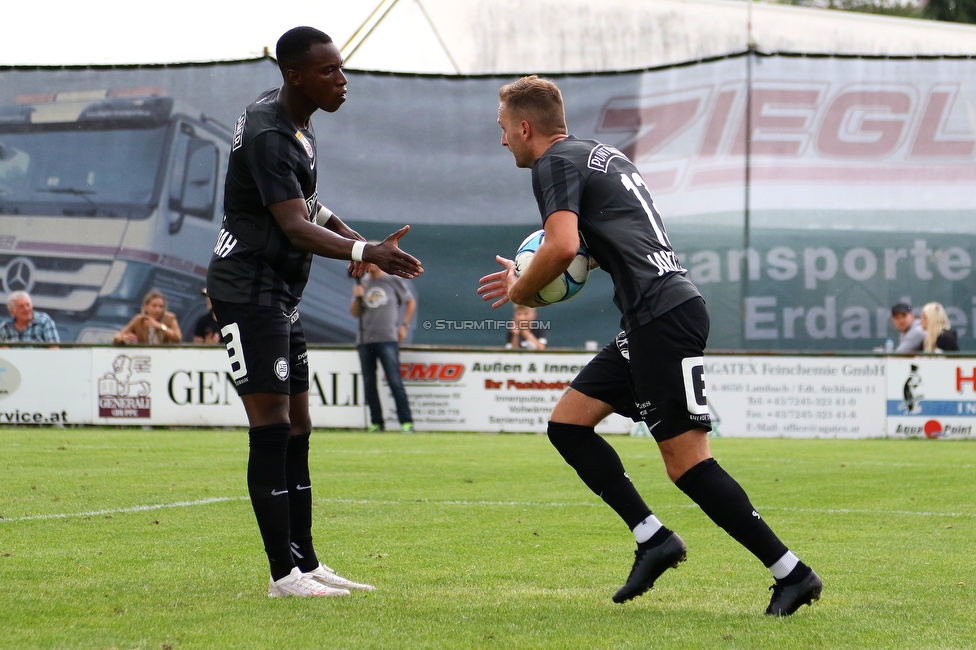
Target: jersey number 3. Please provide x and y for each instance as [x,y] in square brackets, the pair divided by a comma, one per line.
[238,368]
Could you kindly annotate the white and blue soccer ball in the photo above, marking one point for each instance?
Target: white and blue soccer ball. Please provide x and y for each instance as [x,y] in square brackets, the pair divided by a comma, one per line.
[566,285]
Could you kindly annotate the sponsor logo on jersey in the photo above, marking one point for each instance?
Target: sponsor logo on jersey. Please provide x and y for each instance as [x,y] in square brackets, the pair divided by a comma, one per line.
[311,203]
[225,243]
[623,345]
[308,145]
[600,157]
[665,262]
[239,131]
[281,368]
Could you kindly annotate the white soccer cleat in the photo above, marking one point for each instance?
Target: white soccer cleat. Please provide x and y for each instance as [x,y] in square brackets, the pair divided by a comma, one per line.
[297,583]
[326,576]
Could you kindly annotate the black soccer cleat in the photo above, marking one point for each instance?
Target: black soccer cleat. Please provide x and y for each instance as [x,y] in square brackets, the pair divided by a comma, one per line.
[789,598]
[649,564]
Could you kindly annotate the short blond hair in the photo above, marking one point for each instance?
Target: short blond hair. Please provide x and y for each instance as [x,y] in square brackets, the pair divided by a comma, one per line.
[539,100]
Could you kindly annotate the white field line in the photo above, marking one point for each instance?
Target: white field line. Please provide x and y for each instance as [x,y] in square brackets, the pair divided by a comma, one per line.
[113,511]
[823,511]
[448,502]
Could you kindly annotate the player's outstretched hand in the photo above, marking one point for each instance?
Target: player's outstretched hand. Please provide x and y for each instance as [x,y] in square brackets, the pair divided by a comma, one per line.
[495,285]
[388,256]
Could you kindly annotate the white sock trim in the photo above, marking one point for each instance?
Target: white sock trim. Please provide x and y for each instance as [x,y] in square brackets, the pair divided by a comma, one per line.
[646,529]
[784,565]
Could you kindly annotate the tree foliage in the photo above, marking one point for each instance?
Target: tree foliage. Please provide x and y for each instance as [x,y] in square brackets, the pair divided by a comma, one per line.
[958,11]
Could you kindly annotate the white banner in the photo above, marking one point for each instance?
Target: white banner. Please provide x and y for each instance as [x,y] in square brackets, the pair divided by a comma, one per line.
[933,397]
[192,387]
[493,391]
[796,397]
[45,386]
[487,391]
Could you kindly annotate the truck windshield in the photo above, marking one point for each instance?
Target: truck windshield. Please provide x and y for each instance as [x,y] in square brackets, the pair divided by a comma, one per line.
[65,171]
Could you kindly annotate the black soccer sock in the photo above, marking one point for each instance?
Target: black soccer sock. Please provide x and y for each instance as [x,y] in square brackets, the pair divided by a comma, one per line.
[799,572]
[598,464]
[726,503]
[300,502]
[268,487]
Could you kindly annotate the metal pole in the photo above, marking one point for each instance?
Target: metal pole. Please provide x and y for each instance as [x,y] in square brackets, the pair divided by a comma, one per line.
[746,221]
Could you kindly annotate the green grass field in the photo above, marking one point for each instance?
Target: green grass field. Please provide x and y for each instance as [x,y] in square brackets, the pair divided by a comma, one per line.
[144,539]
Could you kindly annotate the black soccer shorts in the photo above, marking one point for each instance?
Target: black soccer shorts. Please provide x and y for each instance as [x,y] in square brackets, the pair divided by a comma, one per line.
[655,373]
[266,348]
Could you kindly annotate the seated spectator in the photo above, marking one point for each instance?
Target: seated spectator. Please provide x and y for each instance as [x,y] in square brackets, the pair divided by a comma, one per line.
[27,325]
[153,326]
[207,330]
[526,333]
[910,331]
[939,336]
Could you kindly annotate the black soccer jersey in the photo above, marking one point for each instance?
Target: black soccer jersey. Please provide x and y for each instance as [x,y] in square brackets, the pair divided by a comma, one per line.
[271,160]
[618,225]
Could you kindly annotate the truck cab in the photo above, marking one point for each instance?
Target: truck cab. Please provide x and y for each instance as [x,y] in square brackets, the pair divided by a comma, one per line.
[106,194]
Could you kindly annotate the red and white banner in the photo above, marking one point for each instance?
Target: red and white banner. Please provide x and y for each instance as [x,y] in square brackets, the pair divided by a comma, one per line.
[933,397]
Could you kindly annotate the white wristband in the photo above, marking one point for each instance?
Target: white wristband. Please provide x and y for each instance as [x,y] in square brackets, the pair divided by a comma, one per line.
[357,251]
[323,215]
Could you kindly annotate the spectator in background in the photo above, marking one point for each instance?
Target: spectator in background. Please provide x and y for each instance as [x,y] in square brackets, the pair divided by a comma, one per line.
[525,334]
[152,326]
[376,303]
[911,334]
[939,336]
[25,324]
[207,330]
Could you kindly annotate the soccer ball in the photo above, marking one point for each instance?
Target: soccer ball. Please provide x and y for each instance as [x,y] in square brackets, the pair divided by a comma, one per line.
[565,286]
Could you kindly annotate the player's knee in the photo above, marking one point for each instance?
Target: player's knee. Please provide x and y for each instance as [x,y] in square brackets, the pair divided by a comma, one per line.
[300,430]
[301,426]
[579,409]
[683,452]
[565,437]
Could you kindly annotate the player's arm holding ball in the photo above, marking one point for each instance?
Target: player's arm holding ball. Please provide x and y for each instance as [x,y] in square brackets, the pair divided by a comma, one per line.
[557,252]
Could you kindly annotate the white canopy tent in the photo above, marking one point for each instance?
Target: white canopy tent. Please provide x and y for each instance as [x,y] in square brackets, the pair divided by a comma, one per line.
[461,36]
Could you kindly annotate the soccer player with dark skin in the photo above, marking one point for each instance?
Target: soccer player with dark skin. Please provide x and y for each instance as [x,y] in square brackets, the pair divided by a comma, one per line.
[273,225]
[653,370]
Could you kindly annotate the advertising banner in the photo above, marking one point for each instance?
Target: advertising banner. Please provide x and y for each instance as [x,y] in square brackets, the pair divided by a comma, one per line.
[934,397]
[44,386]
[796,397]
[487,391]
[193,387]
[773,396]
